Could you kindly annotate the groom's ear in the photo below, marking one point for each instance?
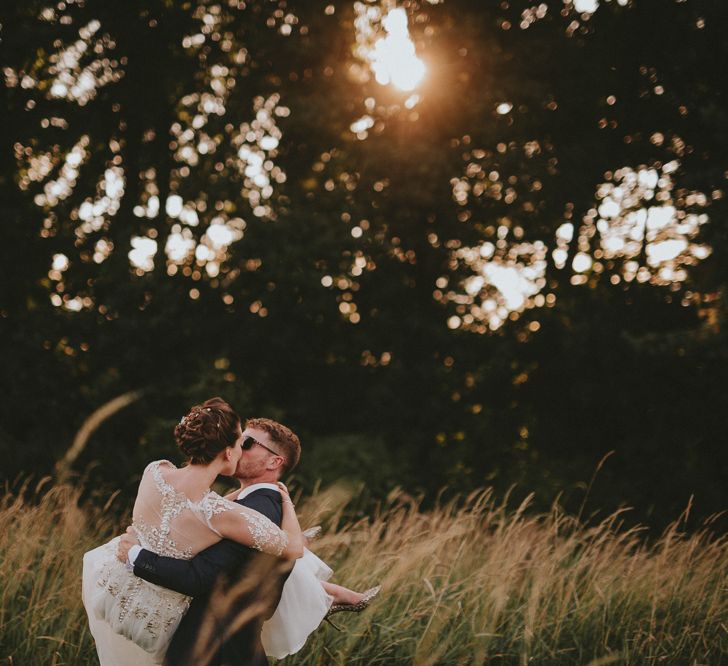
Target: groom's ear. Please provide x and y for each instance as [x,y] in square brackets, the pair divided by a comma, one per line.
[277,462]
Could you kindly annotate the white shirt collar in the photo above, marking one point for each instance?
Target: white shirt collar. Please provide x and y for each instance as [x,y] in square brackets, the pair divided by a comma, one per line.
[256,486]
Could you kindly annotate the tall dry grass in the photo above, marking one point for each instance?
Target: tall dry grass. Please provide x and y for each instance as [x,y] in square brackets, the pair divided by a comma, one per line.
[42,620]
[468,583]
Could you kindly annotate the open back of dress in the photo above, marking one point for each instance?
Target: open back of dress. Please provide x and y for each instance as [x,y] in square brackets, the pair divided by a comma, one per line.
[166,521]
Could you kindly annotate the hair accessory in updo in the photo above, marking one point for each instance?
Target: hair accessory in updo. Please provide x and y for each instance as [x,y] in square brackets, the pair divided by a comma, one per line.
[206,430]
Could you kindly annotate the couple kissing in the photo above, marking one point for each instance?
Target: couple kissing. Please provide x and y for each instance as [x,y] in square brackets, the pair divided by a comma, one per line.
[204,580]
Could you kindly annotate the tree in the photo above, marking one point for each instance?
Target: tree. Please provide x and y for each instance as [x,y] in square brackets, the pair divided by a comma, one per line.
[497,276]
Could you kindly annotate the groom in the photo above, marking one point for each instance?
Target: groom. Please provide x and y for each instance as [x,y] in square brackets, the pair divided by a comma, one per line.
[270,450]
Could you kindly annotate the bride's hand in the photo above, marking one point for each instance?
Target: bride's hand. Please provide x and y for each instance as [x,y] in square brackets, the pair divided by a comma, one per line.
[285,495]
[290,525]
[127,540]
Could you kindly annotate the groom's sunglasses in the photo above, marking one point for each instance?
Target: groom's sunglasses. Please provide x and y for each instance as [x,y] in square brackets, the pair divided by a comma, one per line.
[249,442]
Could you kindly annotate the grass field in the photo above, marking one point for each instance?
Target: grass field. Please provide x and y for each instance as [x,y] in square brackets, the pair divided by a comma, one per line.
[473,583]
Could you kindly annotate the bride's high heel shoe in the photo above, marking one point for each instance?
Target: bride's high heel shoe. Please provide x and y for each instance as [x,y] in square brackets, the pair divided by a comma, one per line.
[359,606]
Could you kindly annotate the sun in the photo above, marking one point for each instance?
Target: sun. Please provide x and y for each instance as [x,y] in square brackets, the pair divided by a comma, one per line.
[393,58]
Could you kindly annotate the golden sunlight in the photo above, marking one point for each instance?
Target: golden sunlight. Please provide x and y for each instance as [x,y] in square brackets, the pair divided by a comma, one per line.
[392,57]
[642,228]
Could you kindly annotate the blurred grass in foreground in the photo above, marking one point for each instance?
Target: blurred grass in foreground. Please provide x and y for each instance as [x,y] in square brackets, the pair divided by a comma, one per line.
[469,584]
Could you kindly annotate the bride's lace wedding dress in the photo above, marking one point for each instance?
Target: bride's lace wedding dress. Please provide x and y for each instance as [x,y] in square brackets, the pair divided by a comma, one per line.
[131,620]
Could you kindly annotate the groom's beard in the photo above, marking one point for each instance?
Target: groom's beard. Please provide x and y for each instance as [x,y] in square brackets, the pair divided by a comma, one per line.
[249,469]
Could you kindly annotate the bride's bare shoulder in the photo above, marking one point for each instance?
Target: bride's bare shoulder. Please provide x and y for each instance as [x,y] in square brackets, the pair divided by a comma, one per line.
[154,469]
[157,463]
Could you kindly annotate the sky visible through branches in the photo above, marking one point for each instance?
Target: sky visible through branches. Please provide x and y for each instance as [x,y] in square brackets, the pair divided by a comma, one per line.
[639,222]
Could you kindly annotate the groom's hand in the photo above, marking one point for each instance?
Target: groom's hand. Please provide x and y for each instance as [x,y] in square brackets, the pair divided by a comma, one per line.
[127,540]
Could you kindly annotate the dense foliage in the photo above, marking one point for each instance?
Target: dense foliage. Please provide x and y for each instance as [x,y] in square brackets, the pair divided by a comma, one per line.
[205,197]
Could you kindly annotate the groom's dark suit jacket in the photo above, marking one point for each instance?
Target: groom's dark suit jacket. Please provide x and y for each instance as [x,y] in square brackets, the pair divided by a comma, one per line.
[225,562]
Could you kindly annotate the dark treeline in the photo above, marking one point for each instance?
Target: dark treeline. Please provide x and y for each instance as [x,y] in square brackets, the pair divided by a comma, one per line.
[325,245]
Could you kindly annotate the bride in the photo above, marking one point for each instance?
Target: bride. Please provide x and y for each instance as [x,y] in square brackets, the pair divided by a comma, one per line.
[177,515]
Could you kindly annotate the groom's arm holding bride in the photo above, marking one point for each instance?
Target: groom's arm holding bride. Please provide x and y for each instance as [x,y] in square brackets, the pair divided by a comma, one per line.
[197,576]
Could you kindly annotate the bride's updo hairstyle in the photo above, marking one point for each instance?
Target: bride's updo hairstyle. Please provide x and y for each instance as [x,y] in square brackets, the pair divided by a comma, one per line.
[207,430]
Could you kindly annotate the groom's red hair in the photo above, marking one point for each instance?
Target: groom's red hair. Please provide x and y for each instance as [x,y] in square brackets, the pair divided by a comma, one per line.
[286,439]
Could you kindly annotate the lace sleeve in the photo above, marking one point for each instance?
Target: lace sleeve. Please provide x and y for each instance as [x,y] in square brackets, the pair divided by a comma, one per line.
[239,523]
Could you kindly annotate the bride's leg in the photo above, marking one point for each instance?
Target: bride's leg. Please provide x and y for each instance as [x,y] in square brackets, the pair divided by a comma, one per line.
[341,594]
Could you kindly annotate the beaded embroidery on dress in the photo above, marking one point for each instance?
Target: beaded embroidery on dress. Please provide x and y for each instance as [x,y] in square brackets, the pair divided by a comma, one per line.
[267,537]
[167,522]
